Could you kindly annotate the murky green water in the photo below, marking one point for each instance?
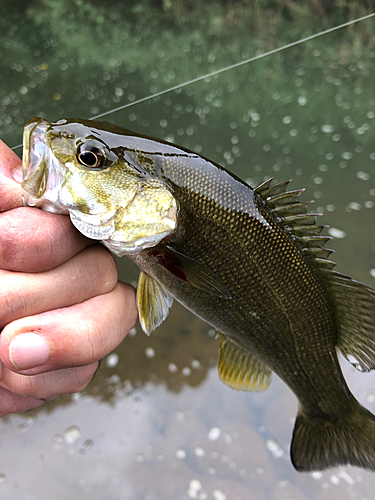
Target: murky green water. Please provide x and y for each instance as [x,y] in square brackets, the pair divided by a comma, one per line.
[156,423]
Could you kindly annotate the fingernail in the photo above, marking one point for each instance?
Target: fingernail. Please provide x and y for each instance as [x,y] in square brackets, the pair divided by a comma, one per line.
[28,350]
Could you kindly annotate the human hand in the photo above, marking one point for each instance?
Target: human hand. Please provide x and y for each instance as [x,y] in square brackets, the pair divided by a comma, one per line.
[61,306]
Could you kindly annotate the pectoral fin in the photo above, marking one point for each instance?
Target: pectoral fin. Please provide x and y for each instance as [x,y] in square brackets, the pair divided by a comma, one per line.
[240,370]
[191,271]
[153,302]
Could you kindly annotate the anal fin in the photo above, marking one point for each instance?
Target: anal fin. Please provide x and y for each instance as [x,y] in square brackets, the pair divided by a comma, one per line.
[240,370]
[153,302]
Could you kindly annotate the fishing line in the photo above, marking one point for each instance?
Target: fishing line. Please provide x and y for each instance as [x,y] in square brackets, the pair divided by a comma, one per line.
[232,66]
[227,68]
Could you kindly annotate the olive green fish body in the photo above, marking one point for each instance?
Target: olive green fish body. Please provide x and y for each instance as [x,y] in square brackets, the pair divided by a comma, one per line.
[279,308]
[250,262]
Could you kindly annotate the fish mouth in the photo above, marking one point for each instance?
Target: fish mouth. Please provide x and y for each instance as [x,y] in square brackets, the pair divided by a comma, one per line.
[42,172]
[35,173]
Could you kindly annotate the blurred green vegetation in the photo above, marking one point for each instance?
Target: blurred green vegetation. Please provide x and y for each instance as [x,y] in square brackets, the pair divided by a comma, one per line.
[95,55]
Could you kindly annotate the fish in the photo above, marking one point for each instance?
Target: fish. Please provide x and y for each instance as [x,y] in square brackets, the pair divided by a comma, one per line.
[251,262]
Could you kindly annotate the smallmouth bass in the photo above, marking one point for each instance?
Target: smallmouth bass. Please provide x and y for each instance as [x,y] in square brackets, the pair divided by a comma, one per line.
[250,262]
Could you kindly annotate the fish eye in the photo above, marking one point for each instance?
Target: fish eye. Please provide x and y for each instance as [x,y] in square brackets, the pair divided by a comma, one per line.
[90,156]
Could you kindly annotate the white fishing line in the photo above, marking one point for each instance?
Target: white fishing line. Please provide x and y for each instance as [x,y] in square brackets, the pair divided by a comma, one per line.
[227,68]
[232,66]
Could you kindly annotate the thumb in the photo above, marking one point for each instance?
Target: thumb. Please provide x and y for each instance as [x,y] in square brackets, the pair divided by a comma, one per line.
[10,168]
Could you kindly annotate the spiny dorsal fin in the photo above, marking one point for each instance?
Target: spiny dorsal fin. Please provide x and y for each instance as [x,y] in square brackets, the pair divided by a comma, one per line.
[293,212]
[240,370]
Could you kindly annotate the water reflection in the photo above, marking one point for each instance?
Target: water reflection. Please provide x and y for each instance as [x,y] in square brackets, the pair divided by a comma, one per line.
[156,422]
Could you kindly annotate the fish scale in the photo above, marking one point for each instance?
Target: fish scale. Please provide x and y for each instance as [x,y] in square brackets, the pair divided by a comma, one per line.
[248,261]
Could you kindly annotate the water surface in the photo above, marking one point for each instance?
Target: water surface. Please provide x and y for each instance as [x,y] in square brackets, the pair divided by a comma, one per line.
[156,423]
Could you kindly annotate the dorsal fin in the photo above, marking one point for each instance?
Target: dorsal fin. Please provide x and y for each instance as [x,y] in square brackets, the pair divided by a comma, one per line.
[293,212]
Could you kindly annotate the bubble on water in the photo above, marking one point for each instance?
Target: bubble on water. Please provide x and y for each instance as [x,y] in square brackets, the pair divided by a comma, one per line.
[172,368]
[132,332]
[318,180]
[302,100]
[353,206]
[334,479]
[72,434]
[219,495]
[199,451]
[336,137]
[214,434]
[57,442]
[369,204]
[3,478]
[286,120]
[344,475]
[372,272]
[336,233]
[370,115]
[327,129]
[186,371]
[330,207]
[255,117]
[372,192]
[180,453]
[346,155]
[180,415]
[293,132]
[195,490]
[363,175]
[139,457]
[274,447]
[112,360]
[317,475]
[196,364]
[150,352]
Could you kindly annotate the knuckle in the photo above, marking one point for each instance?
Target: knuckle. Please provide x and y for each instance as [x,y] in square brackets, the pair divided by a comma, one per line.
[106,269]
[13,302]
[26,386]
[83,377]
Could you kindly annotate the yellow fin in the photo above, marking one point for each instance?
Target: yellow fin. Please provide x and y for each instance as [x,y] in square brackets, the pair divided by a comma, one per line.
[153,302]
[240,370]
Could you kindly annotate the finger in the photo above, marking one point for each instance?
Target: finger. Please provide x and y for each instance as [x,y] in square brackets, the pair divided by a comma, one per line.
[33,241]
[92,272]
[69,337]
[10,168]
[12,403]
[48,385]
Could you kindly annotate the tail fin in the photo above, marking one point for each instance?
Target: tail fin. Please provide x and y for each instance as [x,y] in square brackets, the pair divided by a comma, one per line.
[318,443]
